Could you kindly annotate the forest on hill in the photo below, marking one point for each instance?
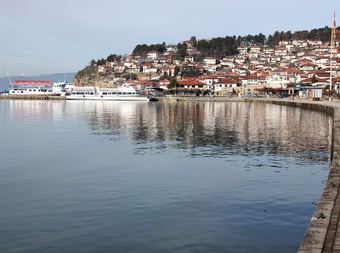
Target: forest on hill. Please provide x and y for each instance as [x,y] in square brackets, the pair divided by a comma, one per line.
[224,46]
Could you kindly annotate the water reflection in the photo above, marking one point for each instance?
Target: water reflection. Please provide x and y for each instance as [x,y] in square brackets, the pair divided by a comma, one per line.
[213,129]
[76,175]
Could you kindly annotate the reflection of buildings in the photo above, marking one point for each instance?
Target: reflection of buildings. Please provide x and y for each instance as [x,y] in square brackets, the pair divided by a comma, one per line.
[218,126]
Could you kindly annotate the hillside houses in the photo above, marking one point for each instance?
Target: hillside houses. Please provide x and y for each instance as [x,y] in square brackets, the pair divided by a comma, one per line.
[253,68]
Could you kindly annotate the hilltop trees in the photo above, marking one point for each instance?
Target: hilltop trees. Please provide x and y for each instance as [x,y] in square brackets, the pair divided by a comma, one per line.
[144,49]
[182,50]
[259,39]
[218,47]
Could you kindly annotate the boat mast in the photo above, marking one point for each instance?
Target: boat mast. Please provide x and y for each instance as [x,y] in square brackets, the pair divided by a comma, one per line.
[9,78]
[4,78]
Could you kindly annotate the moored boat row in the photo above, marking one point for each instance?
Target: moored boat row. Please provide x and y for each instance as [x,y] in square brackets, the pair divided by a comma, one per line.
[126,92]
[37,88]
[31,88]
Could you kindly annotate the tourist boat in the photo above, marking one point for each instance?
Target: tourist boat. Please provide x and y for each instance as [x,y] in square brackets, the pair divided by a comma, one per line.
[36,88]
[126,92]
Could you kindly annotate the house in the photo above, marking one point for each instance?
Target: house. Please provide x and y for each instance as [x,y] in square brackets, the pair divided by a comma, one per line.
[189,58]
[210,61]
[249,80]
[101,69]
[224,84]
[153,55]
[190,83]
[242,49]
[255,48]
[322,62]
[307,66]
[239,60]
[268,50]
[163,84]
[209,81]
[280,78]
[280,51]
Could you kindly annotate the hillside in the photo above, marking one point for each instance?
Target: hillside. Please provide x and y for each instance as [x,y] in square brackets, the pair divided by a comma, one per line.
[191,57]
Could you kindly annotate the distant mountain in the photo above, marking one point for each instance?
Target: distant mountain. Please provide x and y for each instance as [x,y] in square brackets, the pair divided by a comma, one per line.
[57,77]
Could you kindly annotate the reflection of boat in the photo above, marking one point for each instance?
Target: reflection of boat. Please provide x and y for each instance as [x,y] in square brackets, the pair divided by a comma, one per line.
[124,93]
[37,87]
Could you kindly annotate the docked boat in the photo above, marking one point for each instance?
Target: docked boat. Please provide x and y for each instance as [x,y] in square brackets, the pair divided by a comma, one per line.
[37,87]
[126,92]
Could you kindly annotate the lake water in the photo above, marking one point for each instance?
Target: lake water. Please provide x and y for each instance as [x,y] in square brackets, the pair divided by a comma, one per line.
[82,176]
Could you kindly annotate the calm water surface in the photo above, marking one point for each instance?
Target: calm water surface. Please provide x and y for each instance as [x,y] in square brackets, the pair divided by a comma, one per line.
[81,176]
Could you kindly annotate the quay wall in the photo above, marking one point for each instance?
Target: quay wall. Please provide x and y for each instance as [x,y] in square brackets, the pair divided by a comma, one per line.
[33,97]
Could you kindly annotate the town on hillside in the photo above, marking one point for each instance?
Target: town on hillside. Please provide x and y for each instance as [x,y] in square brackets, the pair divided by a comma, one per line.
[256,70]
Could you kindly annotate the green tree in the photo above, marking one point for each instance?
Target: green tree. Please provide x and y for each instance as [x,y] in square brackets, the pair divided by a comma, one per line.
[173,83]
[190,72]
[182,50]
[193,40]
[176,70]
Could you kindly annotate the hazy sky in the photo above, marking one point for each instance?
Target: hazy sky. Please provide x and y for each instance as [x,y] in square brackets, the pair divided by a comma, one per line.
[57,36]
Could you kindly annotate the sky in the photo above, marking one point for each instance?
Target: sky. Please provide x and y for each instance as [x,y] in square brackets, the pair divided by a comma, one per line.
[58,36]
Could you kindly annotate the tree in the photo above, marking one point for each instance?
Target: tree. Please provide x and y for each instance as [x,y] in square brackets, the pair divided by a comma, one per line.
[176,70]
[173,83]
[193,40]
[182,50]
[190,72]
[112,58]
[92,62]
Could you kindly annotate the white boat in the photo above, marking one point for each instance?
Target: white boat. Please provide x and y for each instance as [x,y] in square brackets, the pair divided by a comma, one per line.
[37,87]
[124,93]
